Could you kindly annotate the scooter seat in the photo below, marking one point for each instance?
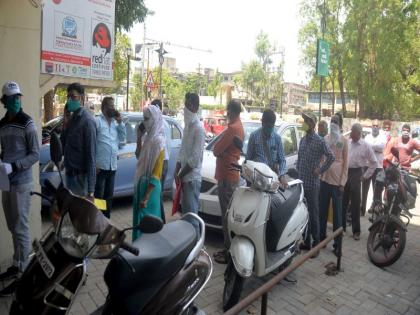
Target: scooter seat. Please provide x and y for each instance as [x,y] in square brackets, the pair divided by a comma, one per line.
[162,255]
[282,206]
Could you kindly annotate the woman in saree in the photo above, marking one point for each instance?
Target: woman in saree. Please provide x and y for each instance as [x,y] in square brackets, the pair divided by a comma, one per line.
[150,154]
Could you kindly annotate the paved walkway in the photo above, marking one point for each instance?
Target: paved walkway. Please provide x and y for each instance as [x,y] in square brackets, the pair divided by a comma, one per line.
[361,288]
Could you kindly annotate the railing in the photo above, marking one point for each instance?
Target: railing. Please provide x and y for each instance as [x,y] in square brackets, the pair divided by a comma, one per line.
[263,290]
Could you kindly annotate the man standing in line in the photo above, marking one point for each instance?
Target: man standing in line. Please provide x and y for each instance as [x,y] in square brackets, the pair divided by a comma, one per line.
[377,141]
[19,151]
[110,132]
[79,143]
[227,179]
[188,168]
[360,155]
[265,146]
[311,149]
[158,103]
[333,180]
[322,128]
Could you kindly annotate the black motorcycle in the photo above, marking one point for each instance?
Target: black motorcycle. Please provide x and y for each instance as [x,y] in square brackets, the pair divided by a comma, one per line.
[387,234]
[160,273]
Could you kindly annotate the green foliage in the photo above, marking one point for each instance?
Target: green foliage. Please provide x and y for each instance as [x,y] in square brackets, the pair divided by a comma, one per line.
[136,92]
[215,86]
[173,90]
[195,82]
[128,13]
[61,93]
[375,52]
[212,107]
[120,62]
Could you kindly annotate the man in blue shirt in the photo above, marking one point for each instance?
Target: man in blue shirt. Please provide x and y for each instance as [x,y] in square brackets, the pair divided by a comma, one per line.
[110,132]
[311,150]
[265,146]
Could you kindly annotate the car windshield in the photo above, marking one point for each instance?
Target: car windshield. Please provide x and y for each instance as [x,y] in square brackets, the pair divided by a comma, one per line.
[249,127]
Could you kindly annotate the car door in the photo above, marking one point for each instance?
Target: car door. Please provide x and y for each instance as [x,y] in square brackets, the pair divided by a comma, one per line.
[174,137]
[290,146]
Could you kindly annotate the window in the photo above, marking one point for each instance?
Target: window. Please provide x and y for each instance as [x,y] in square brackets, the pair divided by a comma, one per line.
[288,138]
[175,132]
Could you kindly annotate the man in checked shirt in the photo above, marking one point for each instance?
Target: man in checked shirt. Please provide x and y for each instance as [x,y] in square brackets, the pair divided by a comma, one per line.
[311,150]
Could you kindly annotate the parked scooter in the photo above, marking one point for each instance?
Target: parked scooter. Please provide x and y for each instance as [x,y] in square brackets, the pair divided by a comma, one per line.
[160,273]
[387,234]
[266,226]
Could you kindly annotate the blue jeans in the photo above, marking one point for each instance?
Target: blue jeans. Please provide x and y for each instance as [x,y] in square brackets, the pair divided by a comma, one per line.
[77,184]
[312,200]
[104,188]
[190,199]
[329,192]
[16,204]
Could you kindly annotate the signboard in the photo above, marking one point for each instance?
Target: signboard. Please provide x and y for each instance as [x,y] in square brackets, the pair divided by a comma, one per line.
[78,38]
[150,83]
[322,57]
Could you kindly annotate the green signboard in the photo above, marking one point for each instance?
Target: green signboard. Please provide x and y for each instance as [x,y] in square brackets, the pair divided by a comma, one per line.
[322,57]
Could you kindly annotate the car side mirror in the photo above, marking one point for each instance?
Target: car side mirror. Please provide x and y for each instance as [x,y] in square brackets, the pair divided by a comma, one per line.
[150,224]
[56,148]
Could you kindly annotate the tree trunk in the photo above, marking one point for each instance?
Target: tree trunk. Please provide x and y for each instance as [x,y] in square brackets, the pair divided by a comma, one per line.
[343,97]
[49,105]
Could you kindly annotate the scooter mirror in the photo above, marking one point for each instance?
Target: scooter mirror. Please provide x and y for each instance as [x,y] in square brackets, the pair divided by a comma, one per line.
[150,224]
[238,142]
[56,149]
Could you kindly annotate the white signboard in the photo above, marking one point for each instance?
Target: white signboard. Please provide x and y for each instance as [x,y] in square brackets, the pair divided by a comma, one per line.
[78,38]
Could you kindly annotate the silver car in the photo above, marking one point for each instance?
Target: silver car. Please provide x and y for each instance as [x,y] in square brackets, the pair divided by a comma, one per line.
[209,201]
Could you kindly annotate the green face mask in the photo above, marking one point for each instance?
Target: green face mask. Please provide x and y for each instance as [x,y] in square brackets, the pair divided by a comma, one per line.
[268,131]
[13,105]
[72,105]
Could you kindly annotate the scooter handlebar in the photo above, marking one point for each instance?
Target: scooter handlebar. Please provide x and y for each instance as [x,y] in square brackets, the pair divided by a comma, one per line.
[129,248]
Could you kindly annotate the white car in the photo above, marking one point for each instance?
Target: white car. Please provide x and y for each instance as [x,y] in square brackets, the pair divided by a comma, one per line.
[209,200]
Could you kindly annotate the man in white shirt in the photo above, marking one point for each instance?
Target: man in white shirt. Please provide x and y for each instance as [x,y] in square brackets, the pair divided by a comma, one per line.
[188,168]
[377,140]
[360,155]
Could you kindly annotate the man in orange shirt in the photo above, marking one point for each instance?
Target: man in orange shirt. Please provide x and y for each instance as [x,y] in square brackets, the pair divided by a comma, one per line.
[227,179]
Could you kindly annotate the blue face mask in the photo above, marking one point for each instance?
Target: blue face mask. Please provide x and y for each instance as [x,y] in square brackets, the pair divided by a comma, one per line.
[72,105]
[13,105]
[268,130]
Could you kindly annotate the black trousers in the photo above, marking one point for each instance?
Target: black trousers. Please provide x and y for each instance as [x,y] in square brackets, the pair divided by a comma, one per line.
[104,188]
[162,183]
[365,189]
[352,195]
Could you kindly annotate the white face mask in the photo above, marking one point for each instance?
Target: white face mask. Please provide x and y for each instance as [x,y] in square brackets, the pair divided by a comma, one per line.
[149,123]
[188,116]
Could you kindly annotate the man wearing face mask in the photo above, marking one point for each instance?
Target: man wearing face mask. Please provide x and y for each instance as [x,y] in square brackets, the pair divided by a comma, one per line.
[19,151]
[110,132]
[265,146]
[406,147]
[79,144]
[190,159]
[377,141]
[322,128]
[312,149]
[227,179]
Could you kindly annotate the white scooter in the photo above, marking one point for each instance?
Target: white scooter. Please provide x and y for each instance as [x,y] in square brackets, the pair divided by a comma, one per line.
[266,226]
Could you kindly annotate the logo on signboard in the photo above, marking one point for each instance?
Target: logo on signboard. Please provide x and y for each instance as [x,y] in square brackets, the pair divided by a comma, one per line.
[69,27]
[49,67]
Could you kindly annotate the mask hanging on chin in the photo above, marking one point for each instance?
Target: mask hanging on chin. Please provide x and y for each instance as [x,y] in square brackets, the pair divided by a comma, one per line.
[188,116]
[13,105]
[375,131]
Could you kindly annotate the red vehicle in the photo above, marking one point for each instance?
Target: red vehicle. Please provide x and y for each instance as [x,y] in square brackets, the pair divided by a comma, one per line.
[215,125]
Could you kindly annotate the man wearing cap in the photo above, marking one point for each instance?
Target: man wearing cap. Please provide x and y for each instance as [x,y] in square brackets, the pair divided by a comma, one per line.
[79,143]
[360,155]
[311,150]
[19,151]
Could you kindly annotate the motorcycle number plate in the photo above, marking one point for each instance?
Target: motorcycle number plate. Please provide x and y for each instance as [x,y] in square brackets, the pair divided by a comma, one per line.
[43,259]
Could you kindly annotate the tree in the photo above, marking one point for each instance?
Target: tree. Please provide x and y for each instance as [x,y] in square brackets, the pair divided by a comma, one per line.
[195,82]
[136,92]
[129,12]
[122,43]
[173,90]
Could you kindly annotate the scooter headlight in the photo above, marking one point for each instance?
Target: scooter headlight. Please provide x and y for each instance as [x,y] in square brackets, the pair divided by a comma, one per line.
[262,181]
[75,244]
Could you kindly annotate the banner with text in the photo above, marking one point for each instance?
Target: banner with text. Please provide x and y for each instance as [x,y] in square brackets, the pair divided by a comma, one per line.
[78,38]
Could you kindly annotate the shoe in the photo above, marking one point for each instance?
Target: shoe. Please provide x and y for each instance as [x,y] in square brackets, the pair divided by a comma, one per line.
[356,236]
[221,257]
[10,273]
[9,290]
[335,251]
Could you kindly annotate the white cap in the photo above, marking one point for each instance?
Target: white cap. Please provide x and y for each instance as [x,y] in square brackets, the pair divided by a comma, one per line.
[11,88]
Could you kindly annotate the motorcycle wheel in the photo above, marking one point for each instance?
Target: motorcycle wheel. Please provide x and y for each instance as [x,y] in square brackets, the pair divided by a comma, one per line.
[233,286]
[384,249]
